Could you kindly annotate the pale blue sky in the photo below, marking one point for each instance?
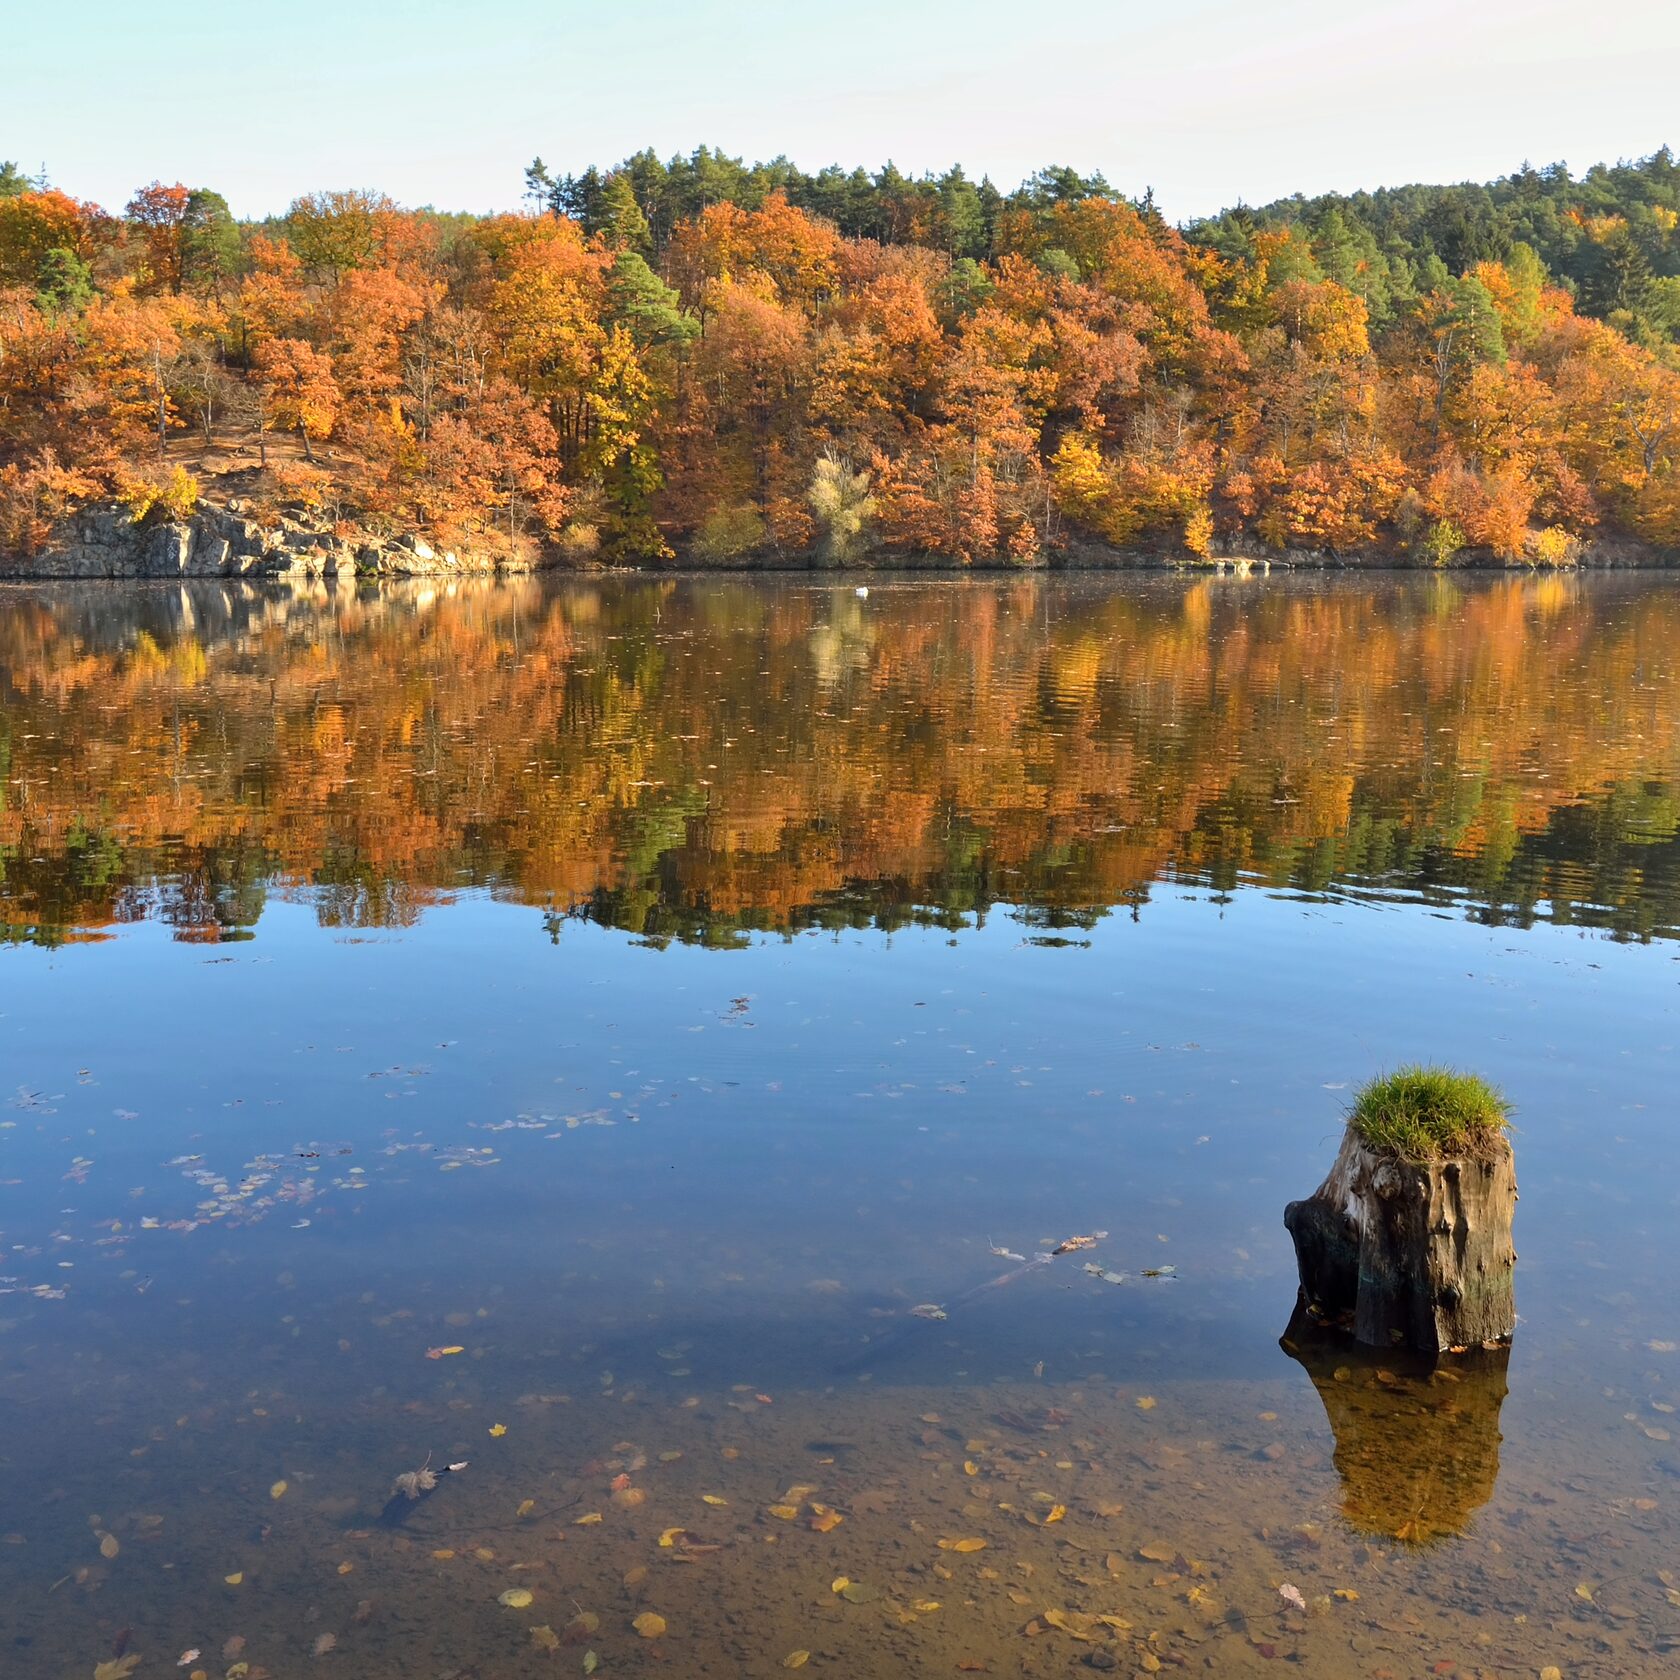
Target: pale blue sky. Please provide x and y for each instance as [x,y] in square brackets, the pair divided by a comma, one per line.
[1208,101]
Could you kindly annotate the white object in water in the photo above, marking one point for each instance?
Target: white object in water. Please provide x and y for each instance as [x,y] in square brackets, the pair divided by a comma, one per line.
[863,592]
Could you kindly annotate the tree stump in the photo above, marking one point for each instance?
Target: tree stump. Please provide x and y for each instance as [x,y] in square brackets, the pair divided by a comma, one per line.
[1412,1254]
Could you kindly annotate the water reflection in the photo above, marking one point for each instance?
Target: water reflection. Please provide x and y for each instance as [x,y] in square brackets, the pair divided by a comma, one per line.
[1120,885]
[695,759]
[1417,1441]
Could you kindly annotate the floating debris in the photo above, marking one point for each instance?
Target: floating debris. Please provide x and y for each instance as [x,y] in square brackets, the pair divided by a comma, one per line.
[411,1484]
[1069,1244]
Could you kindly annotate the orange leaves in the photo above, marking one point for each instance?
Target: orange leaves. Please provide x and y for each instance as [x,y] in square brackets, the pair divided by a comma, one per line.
[33,223]
[797,254]
[1334,504]
[1326,320]
[301,388]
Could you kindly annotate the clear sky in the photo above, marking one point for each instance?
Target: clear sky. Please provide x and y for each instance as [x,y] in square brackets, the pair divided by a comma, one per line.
[1208,101]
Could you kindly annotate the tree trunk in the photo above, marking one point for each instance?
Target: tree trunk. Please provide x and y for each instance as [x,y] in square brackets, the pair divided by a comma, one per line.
[1411,1254]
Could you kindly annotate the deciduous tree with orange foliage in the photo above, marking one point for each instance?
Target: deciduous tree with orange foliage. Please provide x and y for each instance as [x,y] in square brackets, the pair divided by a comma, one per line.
[708,359]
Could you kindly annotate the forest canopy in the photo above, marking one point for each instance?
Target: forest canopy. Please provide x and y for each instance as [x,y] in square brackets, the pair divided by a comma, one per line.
[706,359]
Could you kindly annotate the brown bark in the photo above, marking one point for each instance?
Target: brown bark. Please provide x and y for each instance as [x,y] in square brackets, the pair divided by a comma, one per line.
[1410,1254]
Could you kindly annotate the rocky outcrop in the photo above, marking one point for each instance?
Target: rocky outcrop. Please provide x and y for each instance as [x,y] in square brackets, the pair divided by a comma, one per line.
[104,542]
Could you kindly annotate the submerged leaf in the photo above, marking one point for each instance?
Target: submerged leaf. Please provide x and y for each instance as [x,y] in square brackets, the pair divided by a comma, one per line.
[649,1625]
[545,1638]
[515,1598]
[970,1545]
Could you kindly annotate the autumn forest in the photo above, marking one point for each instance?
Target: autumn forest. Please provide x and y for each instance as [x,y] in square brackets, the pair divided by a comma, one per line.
[719,364]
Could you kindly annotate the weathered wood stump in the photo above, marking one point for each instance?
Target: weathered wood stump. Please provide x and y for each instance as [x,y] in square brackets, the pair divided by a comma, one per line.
[1412,1254]
[1417,1442]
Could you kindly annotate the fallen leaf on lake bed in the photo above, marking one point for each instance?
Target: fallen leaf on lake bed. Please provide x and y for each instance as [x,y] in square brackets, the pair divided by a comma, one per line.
[649,1625]
[1076,1623]
[545,1638]
[186,1657]
[586,1519]
[713,1499]
[118,1668]
[635,1577]
[796,1659]
[784,1513]
[515,1598]
[669,1537]
[526,1507]
[969,1545]
[1291,1594]
[591,1662]
[443,1352]
[235,1579]
[859,1592]
[325,1643]
[278,1491]
[1146,1402]
[498,1429]
[108,1546]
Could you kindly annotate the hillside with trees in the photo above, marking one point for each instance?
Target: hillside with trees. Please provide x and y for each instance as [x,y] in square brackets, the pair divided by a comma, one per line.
[707,362]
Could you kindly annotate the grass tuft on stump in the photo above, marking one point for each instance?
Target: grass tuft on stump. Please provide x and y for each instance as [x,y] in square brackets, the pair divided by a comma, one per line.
[1422,1113]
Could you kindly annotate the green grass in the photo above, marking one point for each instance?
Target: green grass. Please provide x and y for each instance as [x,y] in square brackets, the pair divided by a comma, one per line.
[1429,1113]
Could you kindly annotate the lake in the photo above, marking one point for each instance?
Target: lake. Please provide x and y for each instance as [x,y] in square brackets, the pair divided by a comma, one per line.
[642,1039]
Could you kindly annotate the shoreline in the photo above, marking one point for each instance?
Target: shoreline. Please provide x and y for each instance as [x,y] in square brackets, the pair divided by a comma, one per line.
[102,542]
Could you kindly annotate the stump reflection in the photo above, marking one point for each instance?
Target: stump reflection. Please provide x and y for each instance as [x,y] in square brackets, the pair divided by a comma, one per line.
[1417,1443]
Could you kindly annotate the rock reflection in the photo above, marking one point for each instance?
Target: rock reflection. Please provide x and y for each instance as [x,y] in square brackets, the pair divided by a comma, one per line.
[1417,1444]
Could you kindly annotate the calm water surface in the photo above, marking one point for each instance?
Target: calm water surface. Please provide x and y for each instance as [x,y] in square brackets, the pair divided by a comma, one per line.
[568,1027]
